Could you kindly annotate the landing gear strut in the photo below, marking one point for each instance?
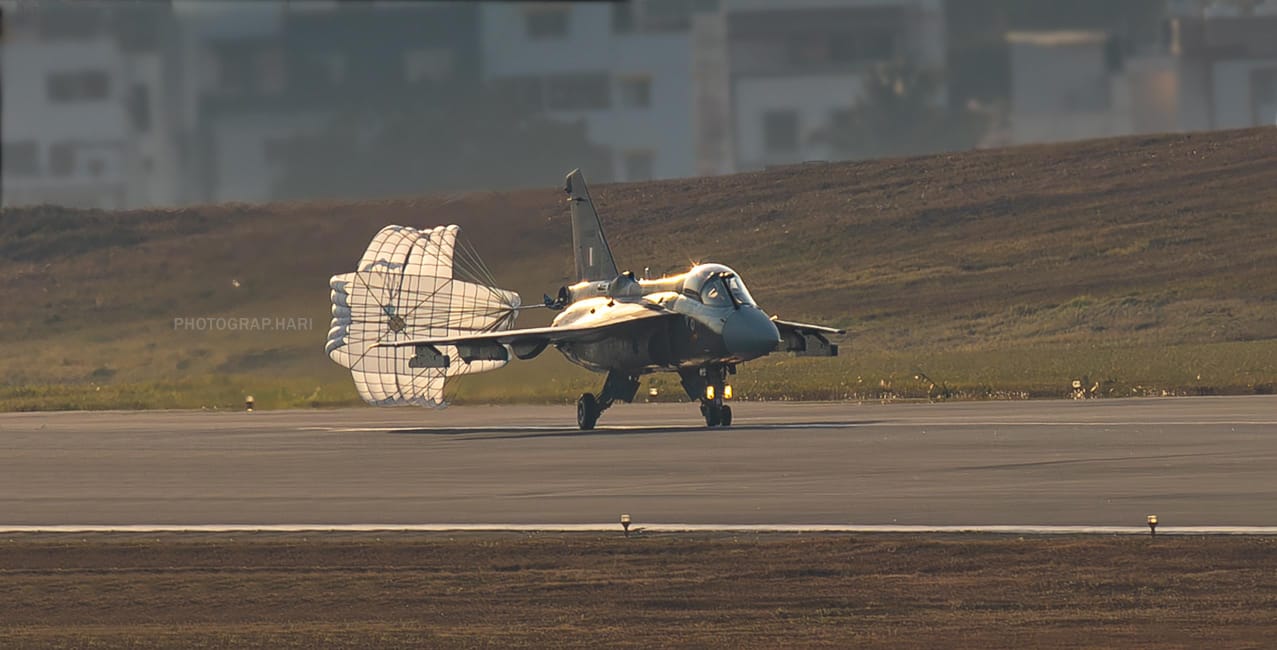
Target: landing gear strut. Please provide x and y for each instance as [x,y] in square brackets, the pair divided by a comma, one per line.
[618,386]
[709,385]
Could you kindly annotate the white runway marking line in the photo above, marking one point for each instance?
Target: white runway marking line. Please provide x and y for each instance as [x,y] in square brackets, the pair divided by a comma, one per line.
[784,425]
[567,428]
[654,528]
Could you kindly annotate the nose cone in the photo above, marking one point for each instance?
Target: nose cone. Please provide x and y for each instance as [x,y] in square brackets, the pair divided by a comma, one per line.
[748,331]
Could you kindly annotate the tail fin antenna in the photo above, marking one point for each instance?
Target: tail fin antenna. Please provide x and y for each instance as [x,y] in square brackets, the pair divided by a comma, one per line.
[593,257]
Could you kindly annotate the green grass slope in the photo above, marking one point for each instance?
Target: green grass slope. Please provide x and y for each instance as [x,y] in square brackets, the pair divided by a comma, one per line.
[1142,263]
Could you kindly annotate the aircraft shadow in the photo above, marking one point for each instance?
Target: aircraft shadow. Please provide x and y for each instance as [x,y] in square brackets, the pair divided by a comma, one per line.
[517,433]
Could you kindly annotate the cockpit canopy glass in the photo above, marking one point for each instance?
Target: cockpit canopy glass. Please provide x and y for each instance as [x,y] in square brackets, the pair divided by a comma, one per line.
[717,286]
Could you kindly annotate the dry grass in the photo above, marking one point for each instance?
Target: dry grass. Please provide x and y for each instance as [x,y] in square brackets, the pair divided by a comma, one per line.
[1139,243]
[514,590]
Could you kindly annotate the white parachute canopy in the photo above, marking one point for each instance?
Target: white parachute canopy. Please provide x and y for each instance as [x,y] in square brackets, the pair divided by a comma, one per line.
[413,284]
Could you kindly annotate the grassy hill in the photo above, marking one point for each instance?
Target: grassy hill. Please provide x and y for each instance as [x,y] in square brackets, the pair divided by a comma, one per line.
[1142,263]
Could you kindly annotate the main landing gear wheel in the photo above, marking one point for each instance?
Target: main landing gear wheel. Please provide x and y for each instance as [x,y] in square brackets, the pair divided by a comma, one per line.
[587,412]
[620,385]
[726,418]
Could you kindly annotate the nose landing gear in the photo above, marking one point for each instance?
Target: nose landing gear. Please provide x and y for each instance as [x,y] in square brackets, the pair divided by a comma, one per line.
[709,385]
[716,414]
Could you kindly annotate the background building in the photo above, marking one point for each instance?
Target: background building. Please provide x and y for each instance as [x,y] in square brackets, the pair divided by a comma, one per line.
[115,104]
[260,90]
[620,69]
[770,78]
[90,103]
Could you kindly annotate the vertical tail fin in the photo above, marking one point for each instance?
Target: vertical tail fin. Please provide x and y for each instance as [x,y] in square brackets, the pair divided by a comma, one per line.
[593,257]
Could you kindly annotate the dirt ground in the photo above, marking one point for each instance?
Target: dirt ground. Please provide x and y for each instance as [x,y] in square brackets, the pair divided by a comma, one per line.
[591,590]
[1135,243]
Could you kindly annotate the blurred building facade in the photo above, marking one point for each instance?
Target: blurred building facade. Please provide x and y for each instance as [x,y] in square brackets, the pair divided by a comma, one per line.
[91,104]
[1067,85]
[163,103]
[1221,69]
[259,90]
[619,69]
[1214,68]
[769,78]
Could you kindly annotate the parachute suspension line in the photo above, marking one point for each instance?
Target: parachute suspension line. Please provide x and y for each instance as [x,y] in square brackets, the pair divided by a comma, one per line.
[472,264]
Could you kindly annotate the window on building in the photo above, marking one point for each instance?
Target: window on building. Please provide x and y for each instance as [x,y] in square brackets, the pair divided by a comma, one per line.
[667,15]
[578,92]
[82,85]
[19,159]
[525,93]
[636,91]
[94,84]
[1263,93]
[780,131]
[427,65]
[61,87]
[138,25]
[809,49]
[638,165]
[71,21]
[334,64]
[546,22]
[858,47]
[140,107]
[843,48]
[234,70]
[61,159]
[1264,85]
[877,46]
[622,17]
[271,77]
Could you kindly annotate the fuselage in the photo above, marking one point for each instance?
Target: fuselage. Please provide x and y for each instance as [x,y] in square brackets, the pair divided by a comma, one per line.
[717,322]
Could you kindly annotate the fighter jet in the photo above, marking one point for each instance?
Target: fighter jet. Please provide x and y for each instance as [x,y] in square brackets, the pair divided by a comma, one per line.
[700,324]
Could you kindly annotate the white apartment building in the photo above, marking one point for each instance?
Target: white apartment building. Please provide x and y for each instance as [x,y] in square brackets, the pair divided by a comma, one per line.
[1217,70]
[621,69]
[769,77]
[87,110]
[1066,85]
[1223,67]
[696,87]
[263,76]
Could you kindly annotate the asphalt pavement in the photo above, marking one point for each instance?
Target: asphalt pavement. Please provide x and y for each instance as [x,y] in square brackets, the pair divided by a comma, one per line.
[1193,461]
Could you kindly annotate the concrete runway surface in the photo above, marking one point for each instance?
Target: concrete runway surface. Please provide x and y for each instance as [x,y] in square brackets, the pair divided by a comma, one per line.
[1192,461]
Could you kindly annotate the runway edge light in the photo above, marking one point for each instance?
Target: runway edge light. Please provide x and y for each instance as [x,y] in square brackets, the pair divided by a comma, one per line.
[625,523]
[248,403]
[1152,525]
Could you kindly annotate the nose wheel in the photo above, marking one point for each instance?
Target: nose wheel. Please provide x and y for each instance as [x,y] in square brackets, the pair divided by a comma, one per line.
[709,385]
[716,414]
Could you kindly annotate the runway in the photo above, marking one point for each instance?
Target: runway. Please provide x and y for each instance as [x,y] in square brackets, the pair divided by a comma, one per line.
[1198,463]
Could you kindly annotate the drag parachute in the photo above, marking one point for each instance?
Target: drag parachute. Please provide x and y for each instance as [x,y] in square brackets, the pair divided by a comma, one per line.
[413,284]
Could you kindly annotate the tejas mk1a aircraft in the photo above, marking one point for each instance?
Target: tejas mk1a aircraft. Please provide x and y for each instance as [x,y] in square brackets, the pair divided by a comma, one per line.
[700,324]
